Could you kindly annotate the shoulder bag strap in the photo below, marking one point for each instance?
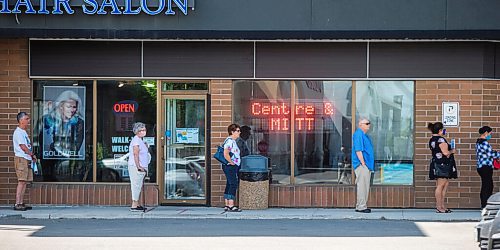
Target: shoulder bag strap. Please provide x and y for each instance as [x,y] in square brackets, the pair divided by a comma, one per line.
[225,141]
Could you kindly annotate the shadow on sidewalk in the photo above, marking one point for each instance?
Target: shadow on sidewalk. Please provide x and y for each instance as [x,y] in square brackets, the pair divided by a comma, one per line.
[211,228]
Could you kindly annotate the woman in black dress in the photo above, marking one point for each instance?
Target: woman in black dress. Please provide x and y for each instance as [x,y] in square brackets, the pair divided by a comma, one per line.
[441,153]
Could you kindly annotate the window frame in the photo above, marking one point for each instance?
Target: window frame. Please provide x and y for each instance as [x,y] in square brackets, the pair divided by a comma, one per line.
[94,124]
[354,106]
[353,128]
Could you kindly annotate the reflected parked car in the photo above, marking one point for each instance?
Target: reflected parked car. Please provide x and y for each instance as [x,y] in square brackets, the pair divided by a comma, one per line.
[185,177]
[114,169]
[488,229]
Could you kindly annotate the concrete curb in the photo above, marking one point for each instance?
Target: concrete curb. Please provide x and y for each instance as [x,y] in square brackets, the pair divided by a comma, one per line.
[96,212]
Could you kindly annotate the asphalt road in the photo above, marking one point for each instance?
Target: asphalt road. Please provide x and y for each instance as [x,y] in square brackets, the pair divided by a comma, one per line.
[205,234]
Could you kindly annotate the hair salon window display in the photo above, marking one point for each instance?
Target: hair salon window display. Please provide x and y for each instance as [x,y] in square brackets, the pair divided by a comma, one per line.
[63,128]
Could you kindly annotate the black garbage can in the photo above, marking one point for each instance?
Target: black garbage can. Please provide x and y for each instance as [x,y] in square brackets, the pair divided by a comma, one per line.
[254,182]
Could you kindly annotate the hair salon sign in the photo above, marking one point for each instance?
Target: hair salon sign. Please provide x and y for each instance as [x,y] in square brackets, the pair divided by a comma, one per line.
[95,7]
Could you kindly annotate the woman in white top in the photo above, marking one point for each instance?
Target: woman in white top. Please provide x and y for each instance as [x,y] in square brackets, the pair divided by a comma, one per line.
[232,155]
[138,162]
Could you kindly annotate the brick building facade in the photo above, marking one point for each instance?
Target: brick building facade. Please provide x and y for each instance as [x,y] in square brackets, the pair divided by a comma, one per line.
[479,105]
[431,52]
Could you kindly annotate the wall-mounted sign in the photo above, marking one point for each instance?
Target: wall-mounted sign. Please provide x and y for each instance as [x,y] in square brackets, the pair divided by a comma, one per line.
[93,7]
[450,114]
[277,115]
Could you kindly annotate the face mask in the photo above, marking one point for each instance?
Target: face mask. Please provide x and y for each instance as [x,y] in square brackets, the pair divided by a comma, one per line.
[488,137]
[444,131]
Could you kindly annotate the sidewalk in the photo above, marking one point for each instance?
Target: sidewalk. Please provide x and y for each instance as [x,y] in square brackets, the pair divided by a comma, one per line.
[169,212]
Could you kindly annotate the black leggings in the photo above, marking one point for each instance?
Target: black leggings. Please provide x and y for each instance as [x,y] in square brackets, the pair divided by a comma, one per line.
[486,173]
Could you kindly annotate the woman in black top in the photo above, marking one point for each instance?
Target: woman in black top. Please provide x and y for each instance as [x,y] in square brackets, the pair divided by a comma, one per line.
[441,153]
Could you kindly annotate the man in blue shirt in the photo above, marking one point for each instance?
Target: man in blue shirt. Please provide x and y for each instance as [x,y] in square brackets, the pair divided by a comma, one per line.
[363,161]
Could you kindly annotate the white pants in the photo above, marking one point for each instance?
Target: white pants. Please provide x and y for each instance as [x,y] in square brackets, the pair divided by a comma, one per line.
[363,176]
[136,179]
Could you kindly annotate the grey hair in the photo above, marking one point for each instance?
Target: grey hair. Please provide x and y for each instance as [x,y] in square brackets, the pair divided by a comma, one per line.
[69,95]
[361,119]
[138,126]
[66,96]
[20,116]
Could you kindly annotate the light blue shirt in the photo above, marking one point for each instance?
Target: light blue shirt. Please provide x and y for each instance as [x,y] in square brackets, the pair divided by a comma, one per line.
[361,142]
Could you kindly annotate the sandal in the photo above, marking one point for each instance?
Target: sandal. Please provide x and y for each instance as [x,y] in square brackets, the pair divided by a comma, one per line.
[234,209]
[447,211]
[136,209]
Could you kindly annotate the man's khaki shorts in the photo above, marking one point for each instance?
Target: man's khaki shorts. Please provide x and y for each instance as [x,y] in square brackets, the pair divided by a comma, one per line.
[23,169]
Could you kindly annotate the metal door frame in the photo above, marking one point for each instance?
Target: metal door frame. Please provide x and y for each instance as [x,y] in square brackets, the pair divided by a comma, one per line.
[161,135]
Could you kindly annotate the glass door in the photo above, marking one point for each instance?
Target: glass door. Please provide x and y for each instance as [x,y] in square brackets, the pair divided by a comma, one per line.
[184,149]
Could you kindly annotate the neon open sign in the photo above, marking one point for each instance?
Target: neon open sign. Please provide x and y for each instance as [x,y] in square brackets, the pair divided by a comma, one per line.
[278,114]
[126,106]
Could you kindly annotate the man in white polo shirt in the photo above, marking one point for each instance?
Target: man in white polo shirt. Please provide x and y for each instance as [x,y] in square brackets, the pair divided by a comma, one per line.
[22,159]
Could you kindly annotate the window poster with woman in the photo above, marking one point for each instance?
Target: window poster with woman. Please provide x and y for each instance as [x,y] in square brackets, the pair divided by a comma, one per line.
[63,122]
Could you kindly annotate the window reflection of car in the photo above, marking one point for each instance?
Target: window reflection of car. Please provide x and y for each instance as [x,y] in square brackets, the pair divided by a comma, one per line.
[114,169]
[185,177]
[200,159]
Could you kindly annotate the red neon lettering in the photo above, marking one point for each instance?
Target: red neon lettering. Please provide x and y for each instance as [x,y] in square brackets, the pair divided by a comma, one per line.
[328,109]
[299,123]
[124,108]
[275,109]
[285,124]
[309,122]
[265,110]
[275,121]
[276,114]
[256,108]
[309,110]
[298,108]
[285,109]
[270,109]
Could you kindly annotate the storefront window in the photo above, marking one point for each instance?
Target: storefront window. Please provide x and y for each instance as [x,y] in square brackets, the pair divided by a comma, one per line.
[120,104]
[389,105]
[62,130]
[264,108]
[187,86]
[319,114]
[322,132]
